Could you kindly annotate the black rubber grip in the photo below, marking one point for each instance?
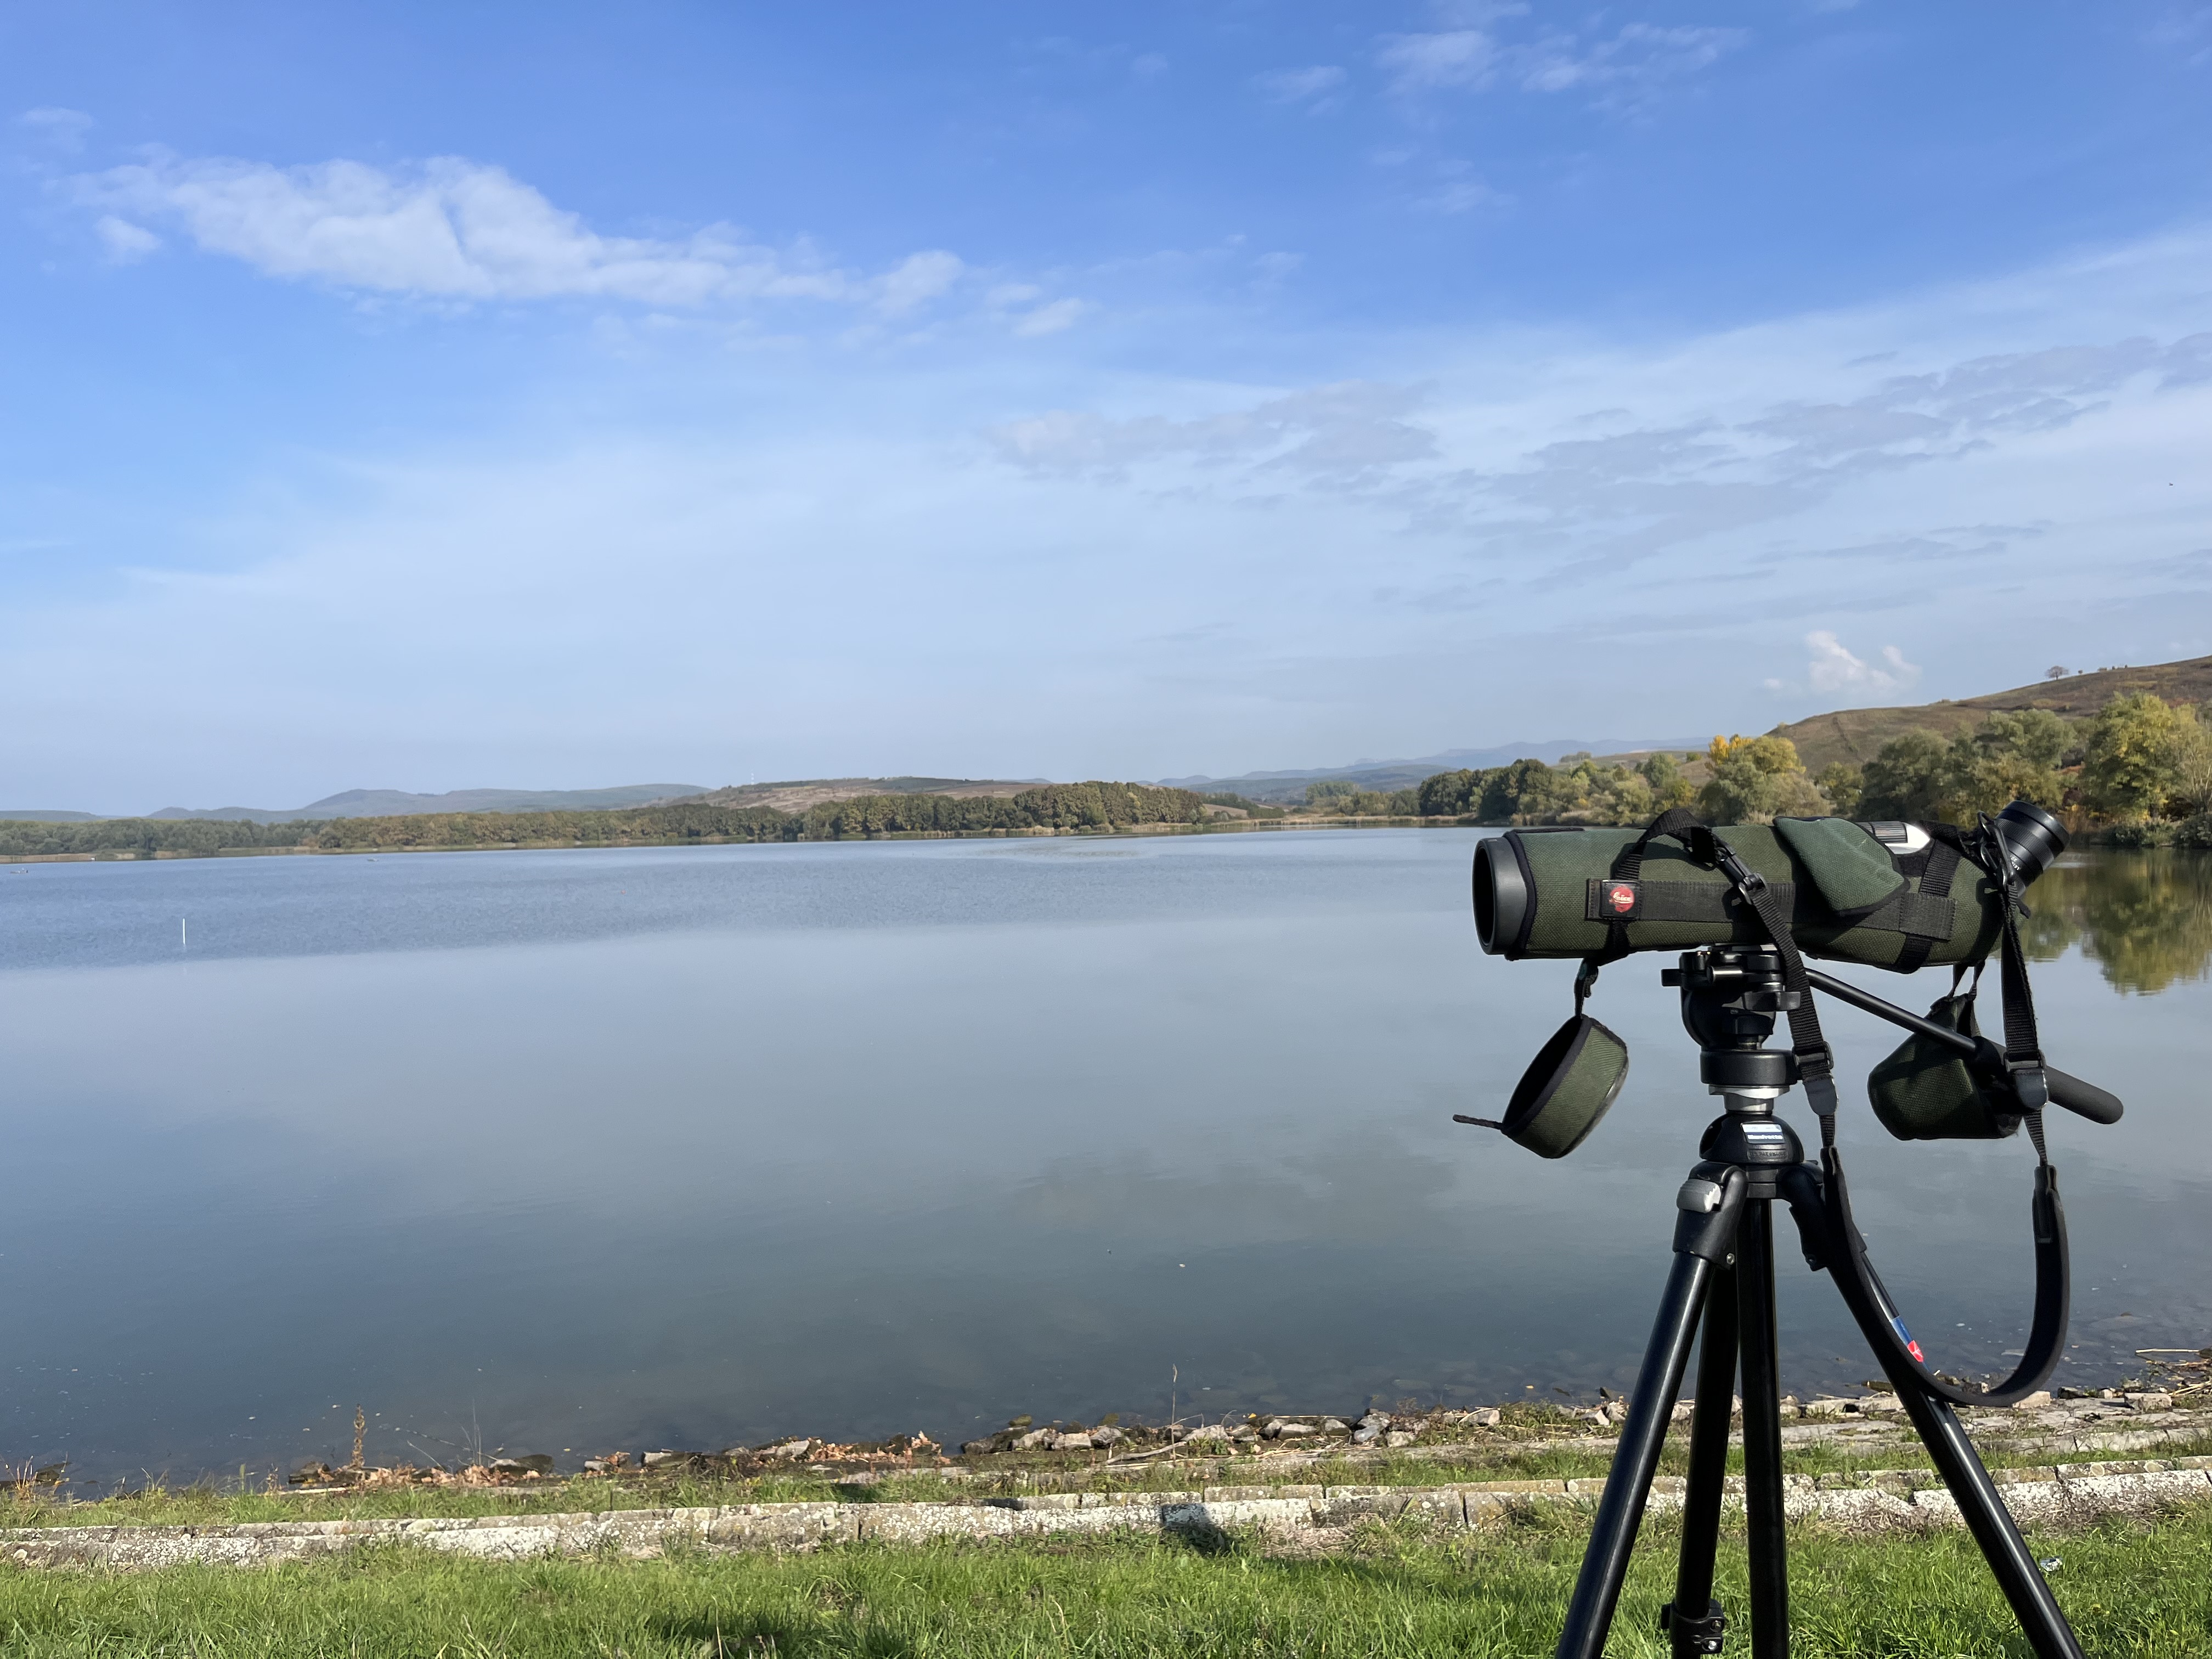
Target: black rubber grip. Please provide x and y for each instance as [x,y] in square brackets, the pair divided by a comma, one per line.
[2086,1098]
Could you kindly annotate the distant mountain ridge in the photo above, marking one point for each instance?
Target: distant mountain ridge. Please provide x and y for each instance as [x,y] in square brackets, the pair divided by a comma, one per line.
[400,803]
[1386,774]
[796,795]
[1852,735]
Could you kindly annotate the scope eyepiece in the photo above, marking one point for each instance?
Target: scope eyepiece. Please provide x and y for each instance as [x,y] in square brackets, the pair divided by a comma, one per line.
[2034,838]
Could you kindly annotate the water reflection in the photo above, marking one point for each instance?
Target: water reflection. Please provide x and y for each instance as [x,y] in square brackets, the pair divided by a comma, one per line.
[2144,918]
[573,1152]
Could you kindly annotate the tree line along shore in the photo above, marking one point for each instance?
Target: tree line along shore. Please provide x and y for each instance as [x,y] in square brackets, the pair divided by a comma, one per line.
[2138,773]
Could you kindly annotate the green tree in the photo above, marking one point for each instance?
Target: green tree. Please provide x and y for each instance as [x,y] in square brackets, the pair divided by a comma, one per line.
[1662,773]
[1842,783]
[1504,788]
[2193,767]
[1906,778]
[2012,755]
[1553,792]
[1756,779]
[1621,796]
[1450,795]
[1325,792]
[2133,765]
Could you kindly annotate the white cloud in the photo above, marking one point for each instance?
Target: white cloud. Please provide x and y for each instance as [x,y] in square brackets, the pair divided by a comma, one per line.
[1620,69]
[1638,57]
[916,280]
[1350,430]
[1833,669]
[457,229]
[1051,319]
[1692,471]
[124,241]
[1461,195]
[1314,88]
[64,128]
[1488,534]
[1454,57]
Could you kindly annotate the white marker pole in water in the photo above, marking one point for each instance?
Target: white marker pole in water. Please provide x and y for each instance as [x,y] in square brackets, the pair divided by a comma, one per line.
[184,941]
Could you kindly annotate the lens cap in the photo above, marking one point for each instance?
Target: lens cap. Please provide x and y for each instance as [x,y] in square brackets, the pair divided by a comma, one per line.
[1572,1082]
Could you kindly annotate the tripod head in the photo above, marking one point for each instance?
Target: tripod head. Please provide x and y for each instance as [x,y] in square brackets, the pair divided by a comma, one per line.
[1730,995]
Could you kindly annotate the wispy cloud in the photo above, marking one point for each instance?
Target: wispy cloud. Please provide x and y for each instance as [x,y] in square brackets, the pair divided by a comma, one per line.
[1634,59]
[1451,57]
[1342,433]
[454,229]
[1584,507]
[63,129]
[124,241]
[1314,88]
[1619,69]
[1491,528]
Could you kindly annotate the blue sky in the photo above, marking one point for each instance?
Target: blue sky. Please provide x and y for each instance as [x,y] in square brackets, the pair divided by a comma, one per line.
[560,396]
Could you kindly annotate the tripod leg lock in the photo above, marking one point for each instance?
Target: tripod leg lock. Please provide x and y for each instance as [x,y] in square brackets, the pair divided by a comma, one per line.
[1705,1211]
[1692,1636]
[1801,1185]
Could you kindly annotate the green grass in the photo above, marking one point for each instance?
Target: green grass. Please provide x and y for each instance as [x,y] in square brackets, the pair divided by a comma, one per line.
[209,1505]
[2141,1591]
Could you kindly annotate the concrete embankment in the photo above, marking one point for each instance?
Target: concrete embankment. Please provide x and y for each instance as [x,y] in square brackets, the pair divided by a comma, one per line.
[1860,1503]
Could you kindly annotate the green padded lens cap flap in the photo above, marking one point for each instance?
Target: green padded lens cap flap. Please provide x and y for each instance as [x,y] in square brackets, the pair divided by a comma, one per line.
[1566,1089]
[1924,1092]
[1853,871]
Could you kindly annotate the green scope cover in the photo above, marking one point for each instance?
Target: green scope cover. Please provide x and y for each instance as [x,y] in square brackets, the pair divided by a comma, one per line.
[1567,1088]
[1848,898]
[1924,1092]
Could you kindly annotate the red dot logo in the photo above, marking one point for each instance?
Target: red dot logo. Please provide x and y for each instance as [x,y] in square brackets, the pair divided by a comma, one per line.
[1622,898]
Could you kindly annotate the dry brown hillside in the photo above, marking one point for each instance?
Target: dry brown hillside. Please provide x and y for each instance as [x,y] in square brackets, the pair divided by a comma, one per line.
[1855,734]
[797,797]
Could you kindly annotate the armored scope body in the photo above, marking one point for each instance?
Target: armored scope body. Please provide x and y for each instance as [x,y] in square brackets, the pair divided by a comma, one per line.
[1885,893]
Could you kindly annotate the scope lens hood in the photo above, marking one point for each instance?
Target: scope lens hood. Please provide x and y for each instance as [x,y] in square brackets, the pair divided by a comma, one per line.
[1501,895]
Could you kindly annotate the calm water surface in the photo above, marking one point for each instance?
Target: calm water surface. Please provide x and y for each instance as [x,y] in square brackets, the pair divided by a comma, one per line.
[573,1152]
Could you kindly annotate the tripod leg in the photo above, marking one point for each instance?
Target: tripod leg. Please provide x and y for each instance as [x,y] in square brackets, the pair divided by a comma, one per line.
[1762,1434]
[1986,1515]
[1693,1621]
[1953,1453]
[1708,1211]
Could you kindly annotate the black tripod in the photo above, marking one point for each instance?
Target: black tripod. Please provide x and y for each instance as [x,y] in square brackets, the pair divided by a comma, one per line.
[1723,1275]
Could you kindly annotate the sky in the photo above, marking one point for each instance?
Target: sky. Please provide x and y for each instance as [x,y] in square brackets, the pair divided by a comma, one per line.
[554,396]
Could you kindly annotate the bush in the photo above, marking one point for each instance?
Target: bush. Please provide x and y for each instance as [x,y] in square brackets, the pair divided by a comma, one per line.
[1756,779]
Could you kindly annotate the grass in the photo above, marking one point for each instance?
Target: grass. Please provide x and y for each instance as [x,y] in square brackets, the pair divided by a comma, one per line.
[209,1505]
[2141,1591]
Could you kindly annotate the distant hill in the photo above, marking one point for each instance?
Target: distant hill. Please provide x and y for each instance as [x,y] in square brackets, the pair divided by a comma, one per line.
[1857,734]
[398,803]
[1401,774]
[796,795]
[45,815]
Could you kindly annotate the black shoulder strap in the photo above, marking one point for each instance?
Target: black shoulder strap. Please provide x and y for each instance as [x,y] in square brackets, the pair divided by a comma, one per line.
[1846,1251]
[1846,1257]
[1815,1061]
[1676,822]
[1935,883]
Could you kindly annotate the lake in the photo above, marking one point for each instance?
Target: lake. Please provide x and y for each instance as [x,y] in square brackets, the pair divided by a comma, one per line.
[573,1151]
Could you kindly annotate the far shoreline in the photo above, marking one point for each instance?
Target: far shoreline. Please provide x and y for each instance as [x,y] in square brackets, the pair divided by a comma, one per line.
[2087,841]
[133,855]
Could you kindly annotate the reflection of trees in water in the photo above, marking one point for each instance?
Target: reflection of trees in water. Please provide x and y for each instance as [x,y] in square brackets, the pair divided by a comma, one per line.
[2145,917]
